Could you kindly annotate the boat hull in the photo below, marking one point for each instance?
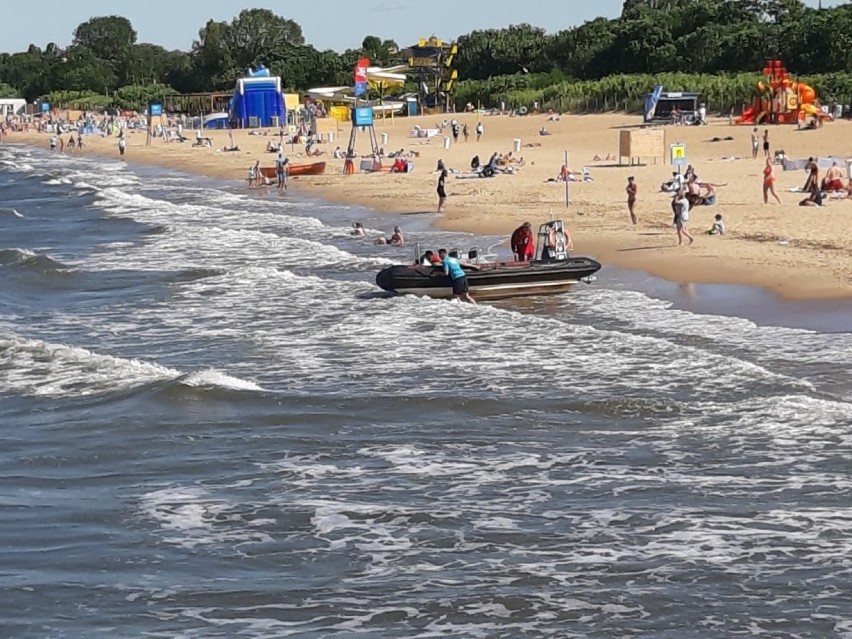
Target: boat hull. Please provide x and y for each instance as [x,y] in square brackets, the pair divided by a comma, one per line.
[492,281]
[293,170]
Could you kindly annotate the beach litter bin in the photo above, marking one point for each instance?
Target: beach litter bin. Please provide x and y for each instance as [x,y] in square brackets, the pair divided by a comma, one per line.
[446,142]
[517,145]
[384,139]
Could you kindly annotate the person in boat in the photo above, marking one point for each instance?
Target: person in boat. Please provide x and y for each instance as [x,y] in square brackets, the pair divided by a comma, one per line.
[400,165]
[453,268]
[429,259]
[358,229]
[397,239]
[474,163]
[523,243]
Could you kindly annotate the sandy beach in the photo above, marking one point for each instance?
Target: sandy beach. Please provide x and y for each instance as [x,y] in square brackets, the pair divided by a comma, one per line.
[796,252]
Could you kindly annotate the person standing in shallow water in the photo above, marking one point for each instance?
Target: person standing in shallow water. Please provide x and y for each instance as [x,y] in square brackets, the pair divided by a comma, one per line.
[442,193]
[632,191]
[457,275]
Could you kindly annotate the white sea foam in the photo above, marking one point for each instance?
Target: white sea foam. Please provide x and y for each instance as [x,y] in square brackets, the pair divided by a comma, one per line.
[211,377]
[189,516]
[36,367]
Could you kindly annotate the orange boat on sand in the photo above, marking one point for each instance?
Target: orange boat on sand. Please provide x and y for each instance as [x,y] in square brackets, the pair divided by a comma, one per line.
[316,168]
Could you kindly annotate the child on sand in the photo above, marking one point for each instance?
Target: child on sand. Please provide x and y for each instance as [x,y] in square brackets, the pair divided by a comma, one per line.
[718,226]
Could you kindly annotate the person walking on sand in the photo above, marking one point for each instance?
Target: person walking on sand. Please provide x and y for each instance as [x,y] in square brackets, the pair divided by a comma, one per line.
[632,191]
[466,132]
[769,182]
[681,209]
[766,143]
[480,129]
[442,193]
[452,268]
[755,143]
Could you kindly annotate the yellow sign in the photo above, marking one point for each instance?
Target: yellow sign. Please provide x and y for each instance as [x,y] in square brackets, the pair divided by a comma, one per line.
[678,153]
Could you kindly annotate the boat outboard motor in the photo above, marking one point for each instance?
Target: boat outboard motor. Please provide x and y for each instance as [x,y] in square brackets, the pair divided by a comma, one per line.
[455,253]
[473,255]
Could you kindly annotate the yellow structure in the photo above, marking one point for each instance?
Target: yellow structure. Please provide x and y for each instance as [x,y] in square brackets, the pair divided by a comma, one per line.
[340,113]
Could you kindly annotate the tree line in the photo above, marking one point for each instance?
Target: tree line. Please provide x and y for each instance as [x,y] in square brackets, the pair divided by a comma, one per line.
[720,45]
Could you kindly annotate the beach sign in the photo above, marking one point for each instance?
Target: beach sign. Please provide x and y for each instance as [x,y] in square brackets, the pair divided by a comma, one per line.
[155,109]
[45,107]
[362,116]
[678,154]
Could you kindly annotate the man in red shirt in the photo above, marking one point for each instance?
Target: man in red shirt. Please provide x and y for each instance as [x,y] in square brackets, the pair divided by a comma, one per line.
[523,244]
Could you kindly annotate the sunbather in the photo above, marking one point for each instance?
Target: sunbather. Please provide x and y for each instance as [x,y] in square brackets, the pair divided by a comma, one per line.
[833,180]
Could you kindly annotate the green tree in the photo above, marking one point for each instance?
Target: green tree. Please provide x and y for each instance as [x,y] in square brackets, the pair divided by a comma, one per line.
[108,37]
[8,91]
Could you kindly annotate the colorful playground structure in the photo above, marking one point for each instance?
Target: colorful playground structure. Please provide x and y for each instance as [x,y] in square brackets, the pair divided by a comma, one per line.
[782,100]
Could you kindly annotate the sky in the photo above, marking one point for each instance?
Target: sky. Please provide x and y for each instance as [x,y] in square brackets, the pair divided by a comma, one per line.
[327,24]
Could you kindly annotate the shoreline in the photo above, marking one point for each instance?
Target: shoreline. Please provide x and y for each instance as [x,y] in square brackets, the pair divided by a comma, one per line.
[773,261]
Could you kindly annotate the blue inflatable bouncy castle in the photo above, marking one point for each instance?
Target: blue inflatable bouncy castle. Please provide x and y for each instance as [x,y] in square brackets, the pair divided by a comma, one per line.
[257,100]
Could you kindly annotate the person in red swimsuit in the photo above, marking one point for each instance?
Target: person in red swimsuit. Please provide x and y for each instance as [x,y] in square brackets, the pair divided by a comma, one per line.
[769,182]
[523,244]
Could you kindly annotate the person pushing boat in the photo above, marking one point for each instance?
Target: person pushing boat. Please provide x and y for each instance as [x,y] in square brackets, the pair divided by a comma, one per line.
[453,268]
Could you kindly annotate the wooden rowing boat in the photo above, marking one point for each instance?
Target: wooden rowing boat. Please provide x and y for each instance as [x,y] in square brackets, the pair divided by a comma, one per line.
[315,168]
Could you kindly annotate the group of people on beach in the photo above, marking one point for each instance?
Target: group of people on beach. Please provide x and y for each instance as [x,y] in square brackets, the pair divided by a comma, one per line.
[257,179]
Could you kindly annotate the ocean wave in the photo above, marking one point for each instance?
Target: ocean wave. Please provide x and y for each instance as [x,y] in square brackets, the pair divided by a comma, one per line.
[38,368]
[36,262]
[10,211]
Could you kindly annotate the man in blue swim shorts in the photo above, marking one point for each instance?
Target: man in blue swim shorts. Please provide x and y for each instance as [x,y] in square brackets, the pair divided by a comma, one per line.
[457,274]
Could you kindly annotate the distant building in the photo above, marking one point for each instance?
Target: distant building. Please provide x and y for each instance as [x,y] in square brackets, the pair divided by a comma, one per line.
[12,106]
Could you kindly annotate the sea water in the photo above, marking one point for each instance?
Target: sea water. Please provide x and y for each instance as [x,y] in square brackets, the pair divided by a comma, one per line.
[214,424]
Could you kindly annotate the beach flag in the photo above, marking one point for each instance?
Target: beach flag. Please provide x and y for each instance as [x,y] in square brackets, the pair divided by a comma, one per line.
[651,100]
[361,76]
